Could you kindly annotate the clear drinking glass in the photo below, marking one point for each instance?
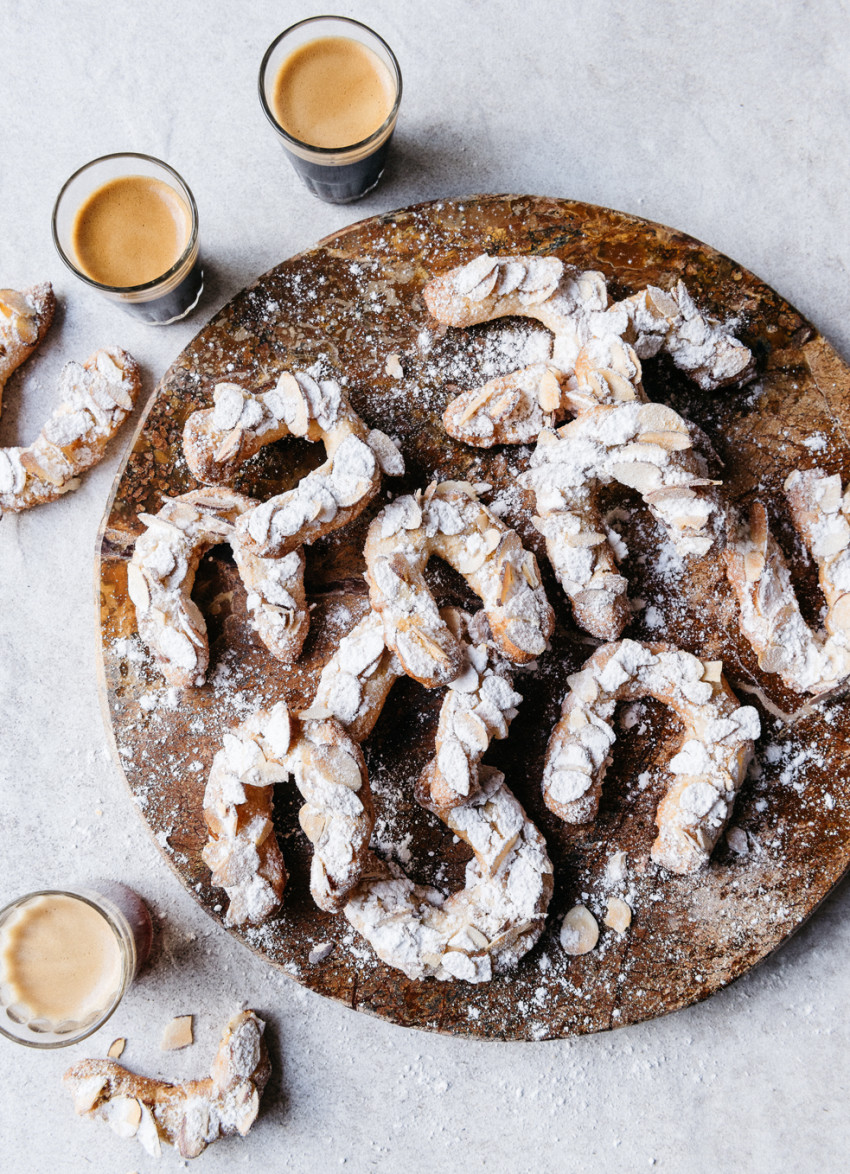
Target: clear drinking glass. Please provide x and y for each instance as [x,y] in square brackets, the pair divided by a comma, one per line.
[167,298]
[336,175]
[127,919]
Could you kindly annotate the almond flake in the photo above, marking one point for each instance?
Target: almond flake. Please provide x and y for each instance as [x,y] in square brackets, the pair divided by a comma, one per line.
[177,1034]
[549,392]
[838,617]
[618,916]
[529,572]
[712,670]
[229,446]
[753,565]
[315,713]
[671,441]
[138,589]
[116,1048]
[508,581]
[475,401]
[123,1115]
[312,822]
[290,390]
[393,367]
[579,931]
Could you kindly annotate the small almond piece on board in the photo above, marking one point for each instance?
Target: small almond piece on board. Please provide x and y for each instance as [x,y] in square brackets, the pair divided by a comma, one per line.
[177,1034]
[619,915]
[579,931]
[116,1048]
[393,367]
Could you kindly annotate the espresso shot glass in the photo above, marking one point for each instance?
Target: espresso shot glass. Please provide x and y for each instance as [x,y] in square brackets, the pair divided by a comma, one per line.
[67,958]
[127,225]
[308,84]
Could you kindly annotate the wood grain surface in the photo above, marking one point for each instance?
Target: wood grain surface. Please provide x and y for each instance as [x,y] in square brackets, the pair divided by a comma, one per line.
[347,305]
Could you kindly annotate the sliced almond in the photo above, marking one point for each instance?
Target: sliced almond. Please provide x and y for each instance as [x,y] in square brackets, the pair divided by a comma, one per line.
[492,538]
[471,730]
[116,1048]
[508,582]
[592,287]
[477,937]
[838,617]
[354,495]
[484,288]
[547,436]
[430,646]
[386,453]
[615,386]
[315,713]
[618,916]
[184,514]
[529,570]
[671,441]
[468,564]
[669,493]
[290,391]
[320,952]
[137,588]
[655,417]
[638,475]
[12,302]
[148,1134]
[759,527]
[549,392]
[579,931]
[833,542]
[32,465]
[585,538]
[447,488]
[454,619]
[661,304]
[343,768]
[753,564]
[712,670]
[312,822]
[476,400]
[123,1115]
[624,360]
[393,367]
[230,445]
[473,273]
[504,404]
[829,493]
[399,566]
[177,1034]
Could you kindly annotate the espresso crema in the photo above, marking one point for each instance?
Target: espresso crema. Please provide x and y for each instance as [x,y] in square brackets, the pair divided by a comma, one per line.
[59,959]
[333,92]
[130,231]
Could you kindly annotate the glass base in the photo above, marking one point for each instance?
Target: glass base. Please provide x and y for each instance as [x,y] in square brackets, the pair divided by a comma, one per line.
[321,191]
[171,307]
[343,183]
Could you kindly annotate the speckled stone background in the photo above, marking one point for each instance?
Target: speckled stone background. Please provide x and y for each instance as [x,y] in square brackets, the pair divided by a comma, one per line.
[729,123]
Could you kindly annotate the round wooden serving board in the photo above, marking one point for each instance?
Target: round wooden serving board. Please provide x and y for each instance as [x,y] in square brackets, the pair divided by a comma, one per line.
[348,304]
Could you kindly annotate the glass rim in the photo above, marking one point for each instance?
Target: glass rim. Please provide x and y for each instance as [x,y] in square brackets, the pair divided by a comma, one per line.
[146,285]
[327,152]
[126,965]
